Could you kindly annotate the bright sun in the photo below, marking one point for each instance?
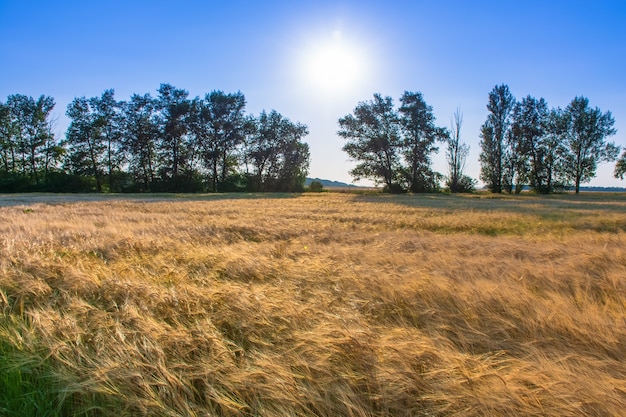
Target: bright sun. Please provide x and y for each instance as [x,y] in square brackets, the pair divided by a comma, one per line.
[334,66]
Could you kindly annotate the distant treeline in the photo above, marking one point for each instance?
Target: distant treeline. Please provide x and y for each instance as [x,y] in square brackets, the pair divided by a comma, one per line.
[167,143]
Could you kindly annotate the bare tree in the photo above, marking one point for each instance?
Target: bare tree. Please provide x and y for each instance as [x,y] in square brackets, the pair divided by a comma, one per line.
[456,154]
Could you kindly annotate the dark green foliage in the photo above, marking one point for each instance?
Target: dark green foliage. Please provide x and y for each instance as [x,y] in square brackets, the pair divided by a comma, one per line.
[219,128]
[418,142]
[172,111]
[316,186]
[585,142]
[392,147]
[373,140]
[463,184]
[27,144]
[620,167]
[525,143]
[276,154]
[175,144]
[165,144]
[493,132]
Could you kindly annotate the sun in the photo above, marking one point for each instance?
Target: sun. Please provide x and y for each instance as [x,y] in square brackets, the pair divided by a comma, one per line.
[334,65]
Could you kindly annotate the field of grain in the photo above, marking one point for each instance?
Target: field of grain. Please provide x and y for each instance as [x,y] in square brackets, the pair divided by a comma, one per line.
[313,305]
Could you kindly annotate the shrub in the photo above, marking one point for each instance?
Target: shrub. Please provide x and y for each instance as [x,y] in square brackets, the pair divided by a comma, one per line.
[316,186]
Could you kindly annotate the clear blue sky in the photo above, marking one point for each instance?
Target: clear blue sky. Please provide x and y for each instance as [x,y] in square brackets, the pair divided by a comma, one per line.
[454,52]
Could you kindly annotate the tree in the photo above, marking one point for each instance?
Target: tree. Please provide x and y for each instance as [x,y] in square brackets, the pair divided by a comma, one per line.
[456,155]
[83,136]
[33,139]
[94,137]
[108,122]
[140,140]
[373,139]
[528,136]
[493,133]
[279,159]
[620,167]
[7,143]
[585,141]
[220,127]
[550,151]
[172,113]
[419,135]
[295,161]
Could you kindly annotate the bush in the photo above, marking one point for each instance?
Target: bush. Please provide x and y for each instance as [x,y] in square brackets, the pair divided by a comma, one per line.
[465,184]
[316,186]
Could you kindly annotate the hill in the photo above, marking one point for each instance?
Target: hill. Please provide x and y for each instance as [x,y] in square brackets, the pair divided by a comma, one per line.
[329,183]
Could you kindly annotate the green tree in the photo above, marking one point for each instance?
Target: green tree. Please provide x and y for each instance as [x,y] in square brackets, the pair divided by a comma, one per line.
[87,150]
[220,127]
[550,151]
[419,136]
[620,167]
[140,140]
[372,133]
[7,140]
[279,158]
[528,137]
[585,141]
[33,138]
[295,161]
[493,133]
[172,111]
[108,120]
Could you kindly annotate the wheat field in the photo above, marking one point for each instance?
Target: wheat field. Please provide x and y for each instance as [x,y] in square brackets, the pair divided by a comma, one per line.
[329,304]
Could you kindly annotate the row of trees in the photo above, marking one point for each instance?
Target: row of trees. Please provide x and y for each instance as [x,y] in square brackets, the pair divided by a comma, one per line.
[526,143]
[523,143]
[170,142]
[27,144]
[394,146]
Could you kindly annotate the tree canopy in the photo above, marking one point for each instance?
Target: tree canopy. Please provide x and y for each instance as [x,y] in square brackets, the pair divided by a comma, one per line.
[526,143]
[170,143]
[393,146]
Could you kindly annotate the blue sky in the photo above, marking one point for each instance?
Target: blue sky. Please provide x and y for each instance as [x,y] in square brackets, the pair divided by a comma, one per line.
[454,52]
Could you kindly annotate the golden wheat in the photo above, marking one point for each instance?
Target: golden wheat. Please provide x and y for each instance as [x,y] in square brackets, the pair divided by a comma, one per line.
[322,304]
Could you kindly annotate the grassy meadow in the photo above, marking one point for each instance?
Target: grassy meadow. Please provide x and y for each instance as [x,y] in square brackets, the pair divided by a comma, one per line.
[329,304]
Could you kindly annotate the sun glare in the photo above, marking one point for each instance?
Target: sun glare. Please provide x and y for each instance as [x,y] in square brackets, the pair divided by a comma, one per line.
[333,66]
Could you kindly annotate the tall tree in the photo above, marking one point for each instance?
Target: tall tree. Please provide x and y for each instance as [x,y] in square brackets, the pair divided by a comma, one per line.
[140,139]
[108,123]
[419,136]
[87,150]
[220,127]
[173,110]
[493,134]
[280,160]
[373,140]
[7,142]
[527,137]
[620,167]
[550,151]
[32,127]
[585,141]
[456,155]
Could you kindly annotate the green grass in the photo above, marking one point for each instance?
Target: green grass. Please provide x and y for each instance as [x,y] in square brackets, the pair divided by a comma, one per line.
[27,386]
[31,384]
